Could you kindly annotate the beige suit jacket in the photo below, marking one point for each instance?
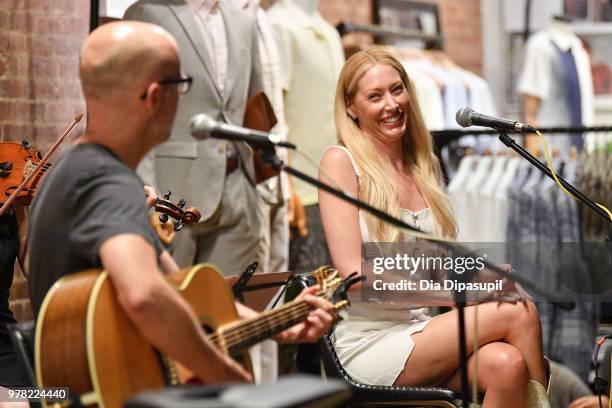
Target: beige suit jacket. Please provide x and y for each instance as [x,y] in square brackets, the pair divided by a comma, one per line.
[191,169]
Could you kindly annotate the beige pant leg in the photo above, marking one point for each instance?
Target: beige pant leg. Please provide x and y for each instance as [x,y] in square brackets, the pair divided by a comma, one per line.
[279,239]
[234,238]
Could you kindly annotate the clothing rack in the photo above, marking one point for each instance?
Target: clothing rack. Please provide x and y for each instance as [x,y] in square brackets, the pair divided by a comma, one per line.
[444,137]
[433,41]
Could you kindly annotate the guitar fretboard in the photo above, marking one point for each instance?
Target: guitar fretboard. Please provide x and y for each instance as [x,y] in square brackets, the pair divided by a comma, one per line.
[239,336]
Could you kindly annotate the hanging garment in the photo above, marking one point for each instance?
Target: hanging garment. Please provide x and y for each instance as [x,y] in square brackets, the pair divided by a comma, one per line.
[311,59]
[545,74]
[429,96]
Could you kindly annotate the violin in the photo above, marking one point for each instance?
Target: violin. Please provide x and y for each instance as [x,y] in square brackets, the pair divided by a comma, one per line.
[19,161]
[180,212]
[22,168]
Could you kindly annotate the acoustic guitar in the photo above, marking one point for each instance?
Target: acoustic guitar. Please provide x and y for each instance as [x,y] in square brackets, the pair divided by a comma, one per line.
[85,341]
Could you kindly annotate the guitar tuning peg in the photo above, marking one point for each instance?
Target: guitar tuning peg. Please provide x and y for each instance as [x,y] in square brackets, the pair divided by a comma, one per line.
[26,144]
[182,203]
[317,275]
[341,304]
[167,195]
[163,218]
[178,226]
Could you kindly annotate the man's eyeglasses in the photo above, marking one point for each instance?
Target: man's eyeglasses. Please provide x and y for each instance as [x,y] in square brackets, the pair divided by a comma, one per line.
[184,84]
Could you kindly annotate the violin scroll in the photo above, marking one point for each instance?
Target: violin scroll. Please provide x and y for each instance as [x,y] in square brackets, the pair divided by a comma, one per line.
[180,212]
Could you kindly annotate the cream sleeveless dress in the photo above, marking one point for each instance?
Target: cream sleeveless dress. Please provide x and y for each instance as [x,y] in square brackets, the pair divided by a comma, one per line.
[373,341]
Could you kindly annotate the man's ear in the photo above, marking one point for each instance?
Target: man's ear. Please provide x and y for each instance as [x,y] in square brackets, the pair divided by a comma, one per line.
[153,98]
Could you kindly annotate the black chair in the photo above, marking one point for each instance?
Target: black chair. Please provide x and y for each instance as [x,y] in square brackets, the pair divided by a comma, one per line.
[364,395]
[22,337]
[370,395]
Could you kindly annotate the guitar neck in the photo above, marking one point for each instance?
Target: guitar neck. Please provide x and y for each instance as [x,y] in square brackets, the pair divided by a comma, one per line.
[236,337]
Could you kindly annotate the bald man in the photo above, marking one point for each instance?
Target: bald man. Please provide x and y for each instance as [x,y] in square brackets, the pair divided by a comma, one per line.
[91,210]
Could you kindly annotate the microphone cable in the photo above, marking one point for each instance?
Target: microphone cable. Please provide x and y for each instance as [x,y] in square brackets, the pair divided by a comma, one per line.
[554,173]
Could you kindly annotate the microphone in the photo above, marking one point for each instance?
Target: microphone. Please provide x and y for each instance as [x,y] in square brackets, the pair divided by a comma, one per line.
[466,117]
[204,127]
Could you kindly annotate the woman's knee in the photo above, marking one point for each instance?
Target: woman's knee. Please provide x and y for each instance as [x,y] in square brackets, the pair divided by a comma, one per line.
[522,316]
[503,362]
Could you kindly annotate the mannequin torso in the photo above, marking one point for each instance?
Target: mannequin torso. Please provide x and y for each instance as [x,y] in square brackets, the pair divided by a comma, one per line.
[310,7]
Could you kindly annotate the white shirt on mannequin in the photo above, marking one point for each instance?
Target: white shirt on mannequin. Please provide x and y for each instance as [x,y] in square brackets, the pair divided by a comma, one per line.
[311,59]
[310,7]
[540,79]
[212,27]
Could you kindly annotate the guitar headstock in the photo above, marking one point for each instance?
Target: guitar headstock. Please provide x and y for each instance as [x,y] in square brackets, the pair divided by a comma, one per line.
[324,275]
[333,287]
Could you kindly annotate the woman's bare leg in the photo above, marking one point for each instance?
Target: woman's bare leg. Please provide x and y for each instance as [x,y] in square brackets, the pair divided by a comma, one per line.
[436,353]
[502,375]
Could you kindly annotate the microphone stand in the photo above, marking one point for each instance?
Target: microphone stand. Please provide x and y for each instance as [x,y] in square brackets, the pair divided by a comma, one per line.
[270,157]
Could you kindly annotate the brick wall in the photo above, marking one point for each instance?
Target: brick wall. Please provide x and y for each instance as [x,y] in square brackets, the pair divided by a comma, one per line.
[350,11]
[39,85]
[460,21]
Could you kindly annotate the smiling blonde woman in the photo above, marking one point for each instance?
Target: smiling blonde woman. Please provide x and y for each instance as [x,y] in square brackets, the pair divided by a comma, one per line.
[385,157]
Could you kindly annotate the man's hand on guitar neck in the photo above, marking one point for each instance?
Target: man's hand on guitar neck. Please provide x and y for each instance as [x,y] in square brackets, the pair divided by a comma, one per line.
[319,320]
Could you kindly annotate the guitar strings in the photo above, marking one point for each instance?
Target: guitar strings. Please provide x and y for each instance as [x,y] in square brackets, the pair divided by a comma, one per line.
[271,315]
[240,339]
[236,335]
[240,336]
[239,333]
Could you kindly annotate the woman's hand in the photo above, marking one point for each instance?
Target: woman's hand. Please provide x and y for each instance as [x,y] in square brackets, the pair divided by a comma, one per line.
[511,291]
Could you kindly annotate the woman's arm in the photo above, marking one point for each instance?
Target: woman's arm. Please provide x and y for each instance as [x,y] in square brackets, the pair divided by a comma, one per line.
[340,219]
[341,225]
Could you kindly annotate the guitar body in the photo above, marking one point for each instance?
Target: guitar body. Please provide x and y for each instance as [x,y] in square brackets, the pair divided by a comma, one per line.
[211,299]
[85,341]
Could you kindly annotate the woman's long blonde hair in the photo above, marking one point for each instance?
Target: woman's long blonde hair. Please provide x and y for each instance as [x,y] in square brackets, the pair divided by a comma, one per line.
[418,154]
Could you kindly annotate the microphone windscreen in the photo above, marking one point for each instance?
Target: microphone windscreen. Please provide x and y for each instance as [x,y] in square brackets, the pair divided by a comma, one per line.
[201,125]
[463,117]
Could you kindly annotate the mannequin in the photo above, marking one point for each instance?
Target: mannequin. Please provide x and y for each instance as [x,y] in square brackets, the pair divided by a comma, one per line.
[556,84]
[231,207]
[311,59]
[309,6]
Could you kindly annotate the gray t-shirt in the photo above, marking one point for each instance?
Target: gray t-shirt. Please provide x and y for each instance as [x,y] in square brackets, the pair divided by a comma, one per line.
[88,197]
